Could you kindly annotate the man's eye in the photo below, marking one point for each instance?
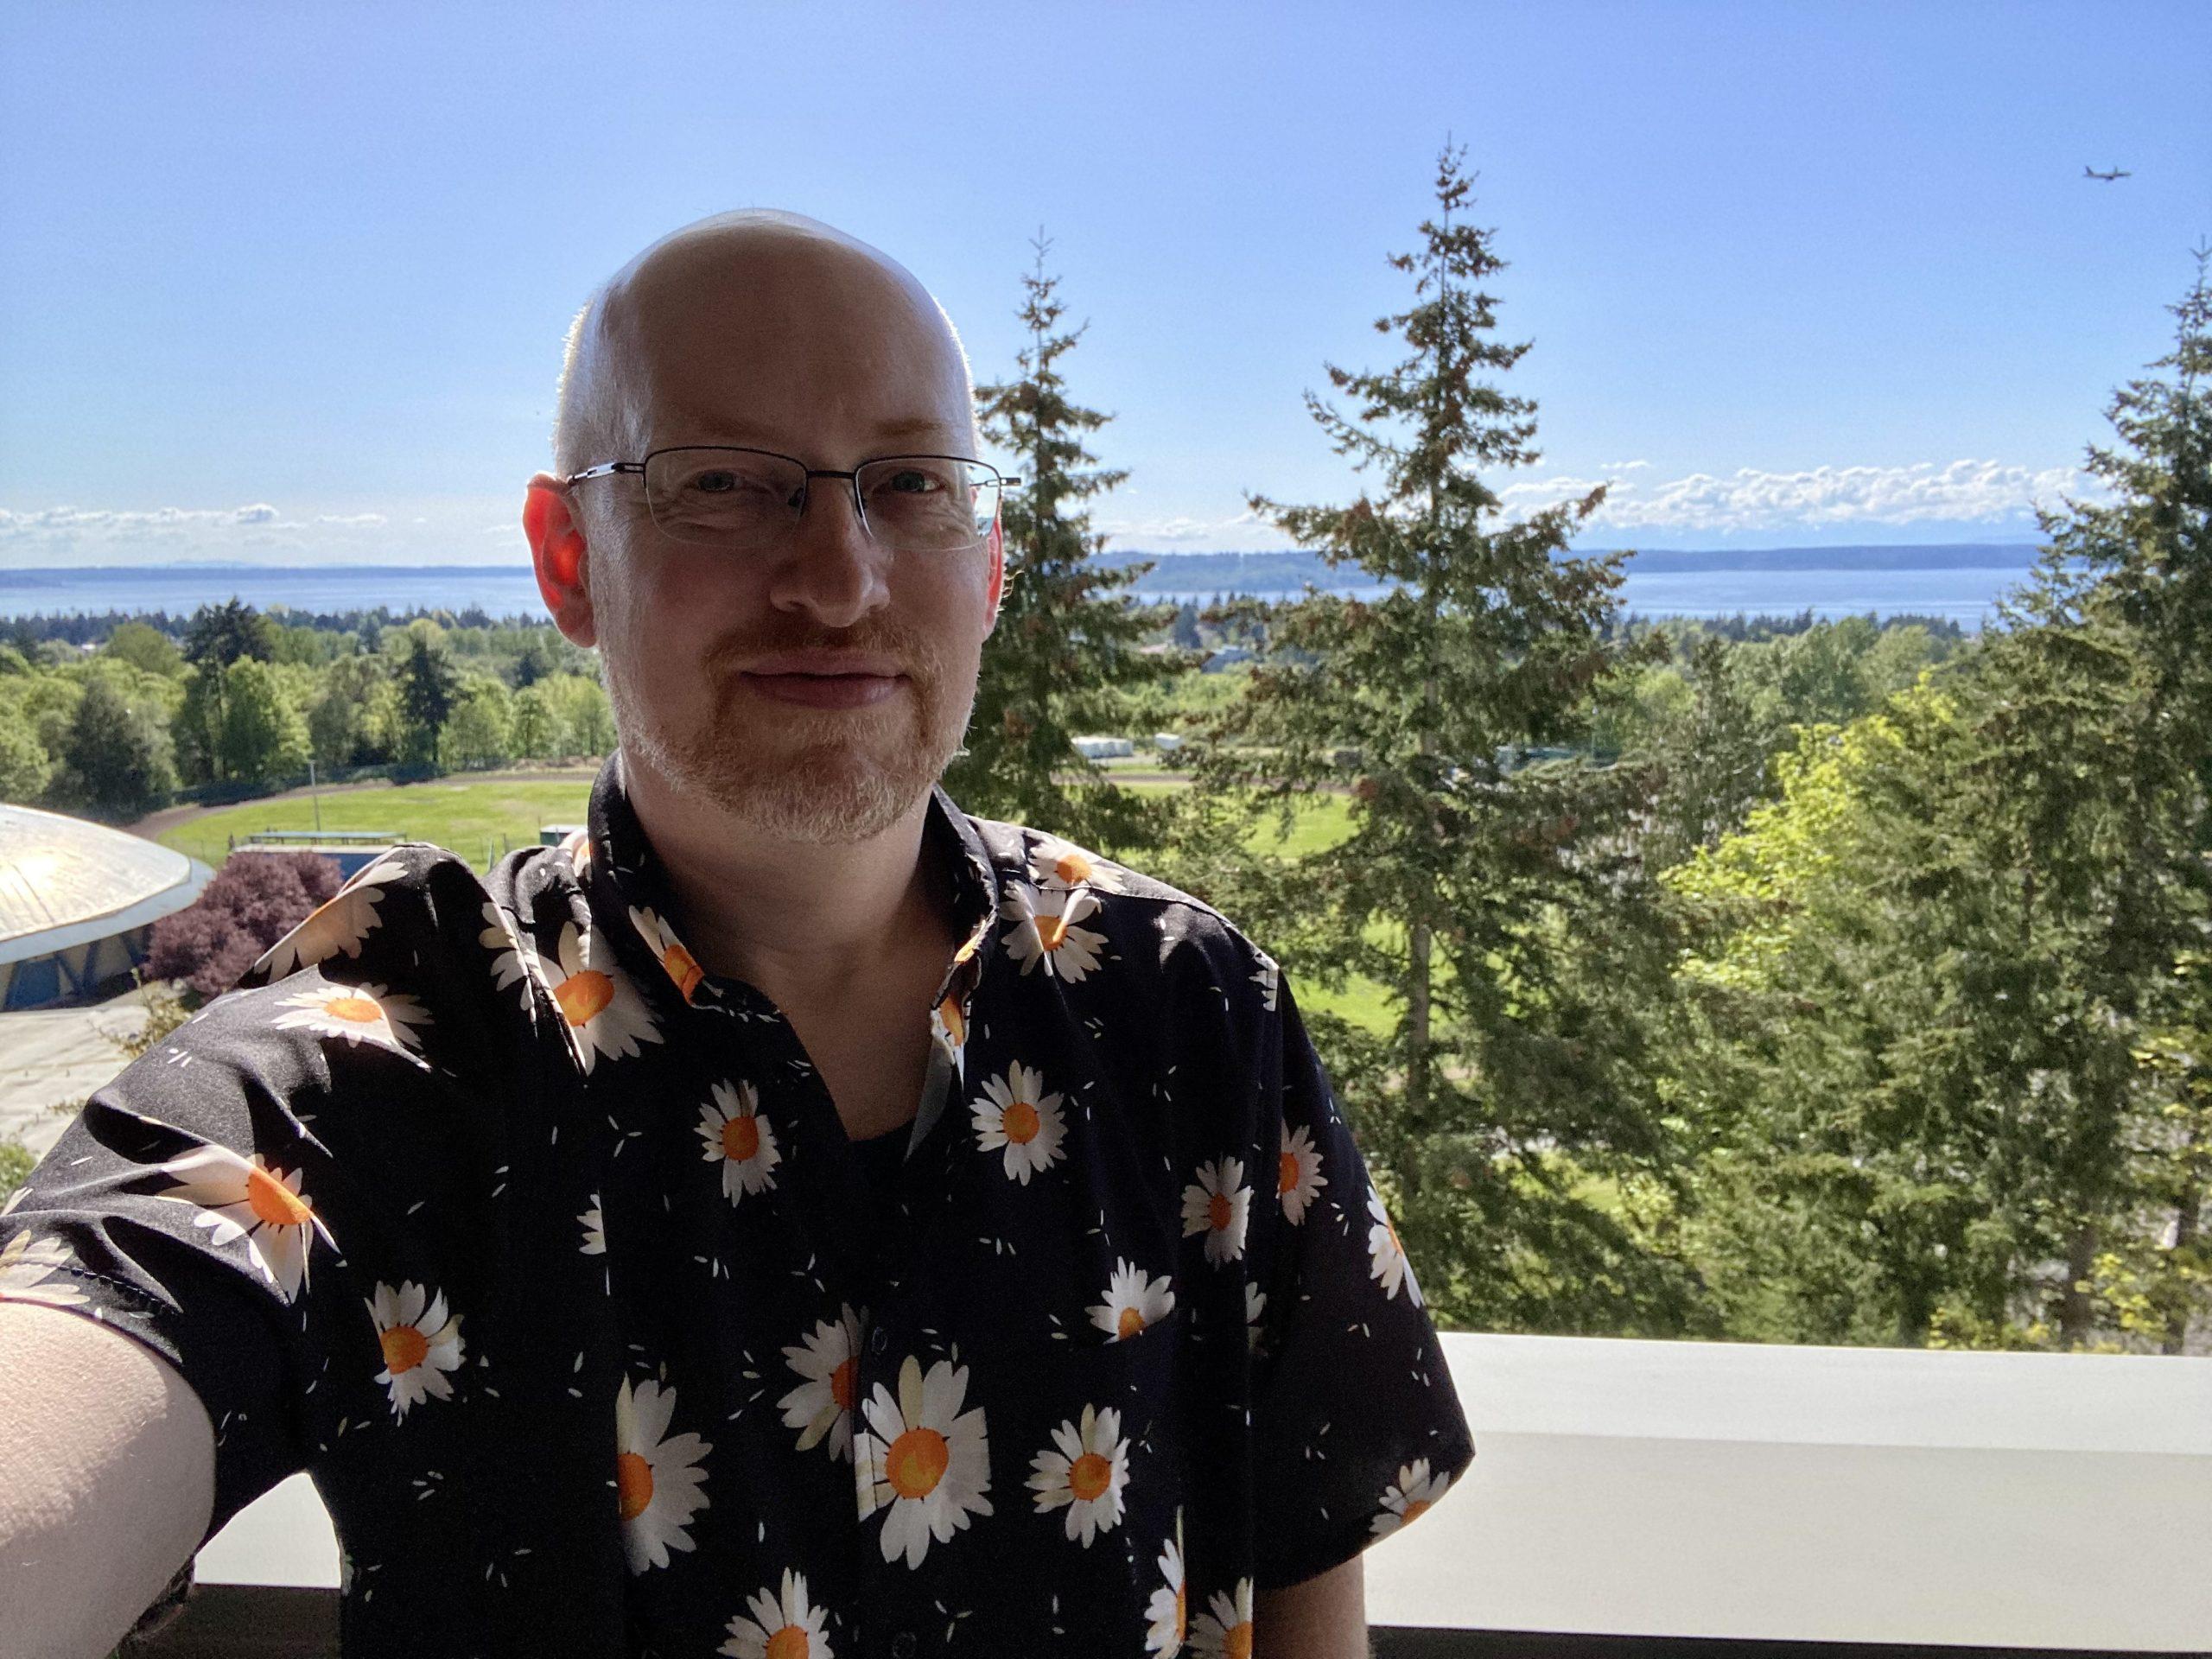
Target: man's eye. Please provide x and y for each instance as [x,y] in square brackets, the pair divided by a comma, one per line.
[715,483]
[912,481]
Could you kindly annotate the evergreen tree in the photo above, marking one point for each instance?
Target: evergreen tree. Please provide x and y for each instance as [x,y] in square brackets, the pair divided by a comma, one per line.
[1064,657]
[1497,903]
[117,758]
[428,683]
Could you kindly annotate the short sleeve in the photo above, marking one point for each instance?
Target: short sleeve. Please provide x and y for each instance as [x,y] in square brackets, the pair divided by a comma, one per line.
[206,1201]
[1356,1426]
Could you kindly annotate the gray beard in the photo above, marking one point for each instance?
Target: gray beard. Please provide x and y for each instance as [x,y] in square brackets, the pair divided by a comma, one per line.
[832,792]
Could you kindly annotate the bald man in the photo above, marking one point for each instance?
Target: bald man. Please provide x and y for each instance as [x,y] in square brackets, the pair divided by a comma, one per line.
[793,1217]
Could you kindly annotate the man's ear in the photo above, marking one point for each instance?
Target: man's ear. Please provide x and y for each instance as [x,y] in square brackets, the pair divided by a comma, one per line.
[997,546]
[563,560]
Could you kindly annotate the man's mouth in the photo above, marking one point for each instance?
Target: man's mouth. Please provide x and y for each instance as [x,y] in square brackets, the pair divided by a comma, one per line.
[817,691]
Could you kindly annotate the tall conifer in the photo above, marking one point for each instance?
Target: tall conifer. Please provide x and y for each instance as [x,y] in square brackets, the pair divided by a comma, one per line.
[1493,896]
[1064,653]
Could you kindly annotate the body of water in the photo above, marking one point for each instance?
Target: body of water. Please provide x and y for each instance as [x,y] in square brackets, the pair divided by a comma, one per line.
[1965,595]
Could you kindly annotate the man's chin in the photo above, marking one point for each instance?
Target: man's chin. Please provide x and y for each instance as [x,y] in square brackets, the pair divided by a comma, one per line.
[828,796]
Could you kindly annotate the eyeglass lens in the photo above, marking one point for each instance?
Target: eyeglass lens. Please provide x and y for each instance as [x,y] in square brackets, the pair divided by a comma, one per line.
[743,499]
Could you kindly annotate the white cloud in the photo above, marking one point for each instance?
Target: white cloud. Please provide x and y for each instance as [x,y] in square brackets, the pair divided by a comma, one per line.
[1622,466]
[414,531]
[1750,500]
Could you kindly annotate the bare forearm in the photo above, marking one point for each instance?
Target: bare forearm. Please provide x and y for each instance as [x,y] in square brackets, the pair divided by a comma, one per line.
[1323,1618]
[107,1477]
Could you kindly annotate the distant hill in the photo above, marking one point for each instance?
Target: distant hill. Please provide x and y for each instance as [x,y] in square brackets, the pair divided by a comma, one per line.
[1286,573]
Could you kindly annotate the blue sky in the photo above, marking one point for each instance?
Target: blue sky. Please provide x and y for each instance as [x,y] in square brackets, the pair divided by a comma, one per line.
[283,282]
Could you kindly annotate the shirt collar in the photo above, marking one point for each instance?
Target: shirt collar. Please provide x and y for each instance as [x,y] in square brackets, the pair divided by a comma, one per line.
[628,890]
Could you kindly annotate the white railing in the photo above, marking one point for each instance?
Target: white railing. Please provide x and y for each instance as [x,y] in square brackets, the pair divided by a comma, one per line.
[1728,1489]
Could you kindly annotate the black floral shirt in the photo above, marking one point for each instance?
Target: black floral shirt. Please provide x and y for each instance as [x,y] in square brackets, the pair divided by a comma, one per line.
[535,1245]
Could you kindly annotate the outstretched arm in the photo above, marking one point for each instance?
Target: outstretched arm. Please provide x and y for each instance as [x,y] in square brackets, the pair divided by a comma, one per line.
[107,1479]
[1321,1617]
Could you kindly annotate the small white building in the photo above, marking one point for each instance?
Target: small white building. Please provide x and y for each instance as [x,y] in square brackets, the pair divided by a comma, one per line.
[1104,748]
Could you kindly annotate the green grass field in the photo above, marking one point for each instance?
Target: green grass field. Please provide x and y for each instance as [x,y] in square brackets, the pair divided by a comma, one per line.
[470,817]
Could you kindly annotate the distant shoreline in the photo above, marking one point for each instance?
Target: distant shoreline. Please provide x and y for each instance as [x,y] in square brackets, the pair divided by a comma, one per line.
[1253,572]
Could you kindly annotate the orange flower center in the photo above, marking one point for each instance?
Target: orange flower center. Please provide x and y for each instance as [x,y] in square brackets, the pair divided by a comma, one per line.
[1072,867]
[741,1137]
[359,1010]
[790,1643]
[633,1484]
[1286,1173]
[582,995]
[1217,1211]
[404,1348]
[276,1203]
[1130,1322]
[840,1384]
[1019,1123]
[1089,1476]
[1413,1512]
[1236,1641]
[682,968]
[1052,930]
[955,1025]
[917,1461]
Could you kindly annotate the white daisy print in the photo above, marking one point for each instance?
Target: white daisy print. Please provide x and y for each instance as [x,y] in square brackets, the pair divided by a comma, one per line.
[740,1139]
[1226,1626]
[1169,1609]
[1218,1204]
[1017,1113]
[1267,976]
[923,1460]
[784,1626]
[34,1269]
[1057,865]
[1414,1489]
[821,1408]
[1132,1302]
[682,968]
[1085,1474]
[657,1481]
[1255,1305]
[421,1342]
[604,1012]
[1386,1257]
[577,845]
[239,1198]
[595,1226]
[512,963]
[360,1014]
[337,927]
[1045,931]
[949,1026]
[1298,1173]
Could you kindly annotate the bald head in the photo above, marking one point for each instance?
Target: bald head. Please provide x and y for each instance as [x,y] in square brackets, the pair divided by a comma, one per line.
[682,337]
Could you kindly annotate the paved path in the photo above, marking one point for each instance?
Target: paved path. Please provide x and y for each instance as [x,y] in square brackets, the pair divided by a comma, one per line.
[56,1057]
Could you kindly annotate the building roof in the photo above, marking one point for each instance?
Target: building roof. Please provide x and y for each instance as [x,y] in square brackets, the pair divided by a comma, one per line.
[64,881]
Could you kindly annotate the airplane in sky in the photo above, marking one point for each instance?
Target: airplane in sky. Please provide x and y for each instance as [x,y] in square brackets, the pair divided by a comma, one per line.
[2091,173]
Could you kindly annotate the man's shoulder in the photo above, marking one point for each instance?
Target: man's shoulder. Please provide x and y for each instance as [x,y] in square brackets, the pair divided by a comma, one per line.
[1036,866]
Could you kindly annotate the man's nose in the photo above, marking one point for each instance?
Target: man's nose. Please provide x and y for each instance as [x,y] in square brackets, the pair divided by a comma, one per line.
[832,566]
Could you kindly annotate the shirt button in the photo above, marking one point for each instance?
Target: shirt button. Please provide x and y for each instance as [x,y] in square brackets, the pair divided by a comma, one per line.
[879,1341]
[902,1645]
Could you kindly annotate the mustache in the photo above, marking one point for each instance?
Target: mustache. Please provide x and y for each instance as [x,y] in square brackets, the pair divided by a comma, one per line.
[906,645]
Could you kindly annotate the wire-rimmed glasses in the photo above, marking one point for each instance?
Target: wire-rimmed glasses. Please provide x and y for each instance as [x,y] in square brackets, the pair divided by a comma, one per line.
[750,500]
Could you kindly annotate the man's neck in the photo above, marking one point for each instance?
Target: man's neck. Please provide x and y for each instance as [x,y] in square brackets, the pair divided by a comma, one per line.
[804,923]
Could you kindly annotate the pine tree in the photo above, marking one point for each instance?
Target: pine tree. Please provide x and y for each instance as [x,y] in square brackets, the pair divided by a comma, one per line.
[427,686]
[1064,657]
[1498,903]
